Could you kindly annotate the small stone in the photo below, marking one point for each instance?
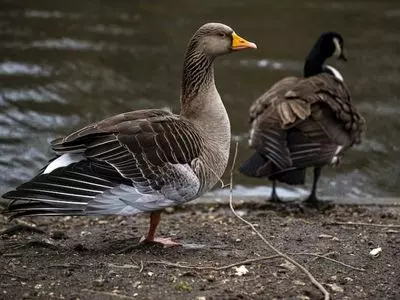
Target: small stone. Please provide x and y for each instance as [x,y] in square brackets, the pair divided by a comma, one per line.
[325,236]
[299,282]
[375,252]
[80,248]
[334,287]
[59,235]
[169,210]
[201,298]
[99,282]
[288,265]
[211,278]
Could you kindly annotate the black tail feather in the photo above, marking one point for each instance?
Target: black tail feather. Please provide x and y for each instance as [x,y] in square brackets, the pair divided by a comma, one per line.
[65,191]
[257,166]
[292,177]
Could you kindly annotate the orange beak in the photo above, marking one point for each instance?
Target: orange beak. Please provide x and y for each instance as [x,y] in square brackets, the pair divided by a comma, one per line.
[239,43]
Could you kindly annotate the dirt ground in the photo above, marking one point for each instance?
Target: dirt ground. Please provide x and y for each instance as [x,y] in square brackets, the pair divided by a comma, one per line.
[78,258]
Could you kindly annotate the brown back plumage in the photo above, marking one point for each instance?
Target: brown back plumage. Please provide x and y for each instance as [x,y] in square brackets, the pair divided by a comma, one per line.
[304,122]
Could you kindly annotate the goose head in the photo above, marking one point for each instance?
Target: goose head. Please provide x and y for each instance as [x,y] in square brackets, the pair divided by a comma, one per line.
[214,39]
[328,44]
[331,44]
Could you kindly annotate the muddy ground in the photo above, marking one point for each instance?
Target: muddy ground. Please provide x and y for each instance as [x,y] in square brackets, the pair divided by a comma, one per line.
[77,258]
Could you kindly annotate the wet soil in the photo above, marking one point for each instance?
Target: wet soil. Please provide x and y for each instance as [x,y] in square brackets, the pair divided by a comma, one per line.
[79,257]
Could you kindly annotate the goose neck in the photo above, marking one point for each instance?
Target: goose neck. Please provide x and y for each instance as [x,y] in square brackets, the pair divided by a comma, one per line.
[198,75]
[314,62]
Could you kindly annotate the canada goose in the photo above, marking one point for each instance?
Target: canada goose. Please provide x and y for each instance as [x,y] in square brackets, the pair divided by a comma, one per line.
[304,122]
[144,160]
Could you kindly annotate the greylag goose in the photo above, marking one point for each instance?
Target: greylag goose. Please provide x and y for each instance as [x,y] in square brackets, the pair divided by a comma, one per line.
[304,122]
[144,160]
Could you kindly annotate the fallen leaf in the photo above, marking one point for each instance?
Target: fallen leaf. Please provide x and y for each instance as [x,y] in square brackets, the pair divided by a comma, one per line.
[240,271]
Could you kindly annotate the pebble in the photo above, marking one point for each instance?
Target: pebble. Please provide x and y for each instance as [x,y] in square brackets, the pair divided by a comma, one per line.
[59,235]
[325,236]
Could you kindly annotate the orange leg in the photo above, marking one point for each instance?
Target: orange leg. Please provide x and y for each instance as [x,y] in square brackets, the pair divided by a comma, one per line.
[155,218]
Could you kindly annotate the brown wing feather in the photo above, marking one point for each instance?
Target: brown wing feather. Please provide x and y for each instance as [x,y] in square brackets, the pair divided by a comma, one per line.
[324,93]
[306,120]
[138,145]
[266,100]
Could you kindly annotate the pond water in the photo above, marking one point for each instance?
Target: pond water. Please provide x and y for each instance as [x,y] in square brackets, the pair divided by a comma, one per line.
[65,64]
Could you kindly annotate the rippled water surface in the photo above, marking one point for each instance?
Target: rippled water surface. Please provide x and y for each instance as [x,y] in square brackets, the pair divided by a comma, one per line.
[64,64]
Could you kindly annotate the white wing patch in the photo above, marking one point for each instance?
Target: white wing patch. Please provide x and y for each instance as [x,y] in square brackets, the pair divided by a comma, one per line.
[63,161]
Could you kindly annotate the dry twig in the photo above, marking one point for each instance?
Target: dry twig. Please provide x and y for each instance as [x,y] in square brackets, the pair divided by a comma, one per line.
[13,276]
[289,259]
[38,243]
[72,265]
[365,224]
[249,261]
[113,295]
[21,228]
[243,262]
[325,256]
[141,266]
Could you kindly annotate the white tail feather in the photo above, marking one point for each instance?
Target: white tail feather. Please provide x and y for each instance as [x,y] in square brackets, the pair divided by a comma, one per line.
[63,161]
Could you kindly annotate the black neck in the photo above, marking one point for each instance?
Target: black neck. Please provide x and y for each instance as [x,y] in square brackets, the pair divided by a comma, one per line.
[314,62]
[197,72]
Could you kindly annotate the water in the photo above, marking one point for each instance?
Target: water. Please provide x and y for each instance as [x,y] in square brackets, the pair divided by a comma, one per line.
[65,64]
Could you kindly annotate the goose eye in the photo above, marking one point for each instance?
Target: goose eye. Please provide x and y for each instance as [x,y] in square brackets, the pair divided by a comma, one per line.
[222,35]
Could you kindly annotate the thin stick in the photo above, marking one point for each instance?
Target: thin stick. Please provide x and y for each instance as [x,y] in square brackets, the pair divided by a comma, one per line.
[325,256]
[365,224]
[243,262]
[13,276]
[113,295]
[303,269]
[249,261]
[141,266]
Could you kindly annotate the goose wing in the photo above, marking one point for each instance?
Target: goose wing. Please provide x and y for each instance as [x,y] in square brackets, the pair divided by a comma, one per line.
[267,135]
[133,162]
[327,124]
[303,122]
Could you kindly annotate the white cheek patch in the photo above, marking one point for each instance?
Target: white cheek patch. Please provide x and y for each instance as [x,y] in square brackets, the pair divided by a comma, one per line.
[338,49]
